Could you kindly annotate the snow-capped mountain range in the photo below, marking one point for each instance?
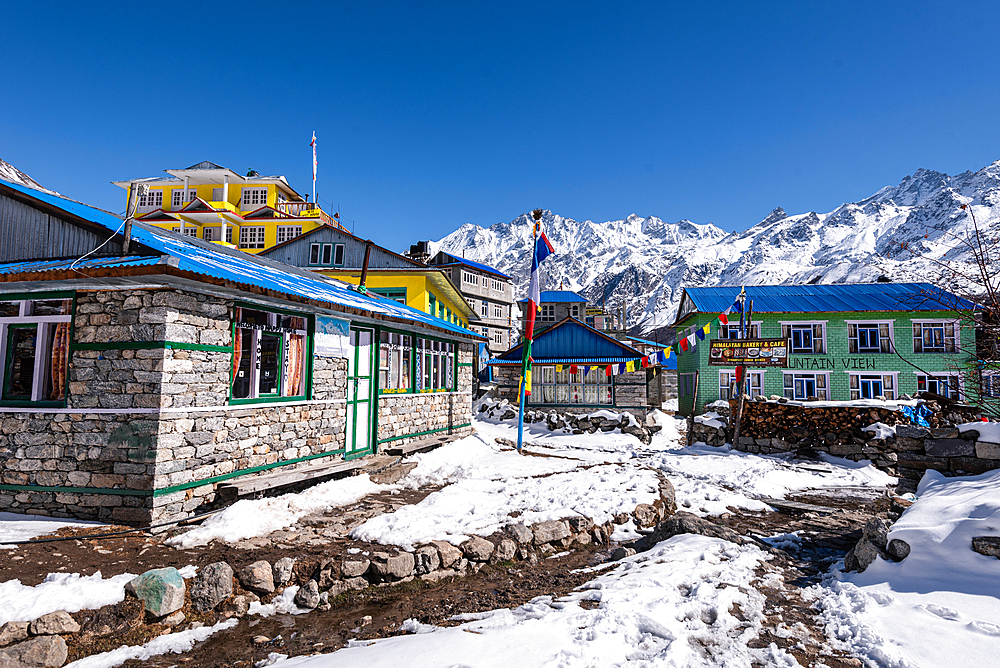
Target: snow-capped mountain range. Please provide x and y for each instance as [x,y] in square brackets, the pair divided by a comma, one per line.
[642,263]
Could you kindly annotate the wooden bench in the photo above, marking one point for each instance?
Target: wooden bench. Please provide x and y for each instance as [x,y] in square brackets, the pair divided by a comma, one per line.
[423,445]
[230,491]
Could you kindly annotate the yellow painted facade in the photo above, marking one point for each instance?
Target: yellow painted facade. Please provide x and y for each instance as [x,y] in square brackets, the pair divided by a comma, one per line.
[421,291]
[216,204]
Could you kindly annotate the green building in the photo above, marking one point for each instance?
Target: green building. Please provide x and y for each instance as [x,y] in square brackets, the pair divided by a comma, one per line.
[845,342]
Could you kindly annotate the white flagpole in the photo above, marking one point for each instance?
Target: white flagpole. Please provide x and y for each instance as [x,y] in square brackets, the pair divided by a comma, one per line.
[313,144]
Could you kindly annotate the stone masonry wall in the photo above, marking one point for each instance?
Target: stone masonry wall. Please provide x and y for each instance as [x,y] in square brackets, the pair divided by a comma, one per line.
[440,412]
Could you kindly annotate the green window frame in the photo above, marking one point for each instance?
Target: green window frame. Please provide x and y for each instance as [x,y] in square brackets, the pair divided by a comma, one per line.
[416,366]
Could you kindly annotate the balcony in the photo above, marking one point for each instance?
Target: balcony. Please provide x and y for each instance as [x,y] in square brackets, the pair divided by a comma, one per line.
[308,210]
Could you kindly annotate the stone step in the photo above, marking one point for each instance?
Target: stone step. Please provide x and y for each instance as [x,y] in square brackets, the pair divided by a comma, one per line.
[230,491]
[423,445]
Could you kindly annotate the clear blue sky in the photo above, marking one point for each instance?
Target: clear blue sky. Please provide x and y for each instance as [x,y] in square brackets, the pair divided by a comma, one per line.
[432,115]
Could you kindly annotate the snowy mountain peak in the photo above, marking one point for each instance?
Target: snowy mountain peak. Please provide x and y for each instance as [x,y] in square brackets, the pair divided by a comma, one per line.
[9,172]
[642,263]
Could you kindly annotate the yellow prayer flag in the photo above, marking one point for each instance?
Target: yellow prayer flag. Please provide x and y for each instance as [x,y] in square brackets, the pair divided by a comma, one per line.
[630,365]
[559,368]
[666,353]
[706,328]
[527,381]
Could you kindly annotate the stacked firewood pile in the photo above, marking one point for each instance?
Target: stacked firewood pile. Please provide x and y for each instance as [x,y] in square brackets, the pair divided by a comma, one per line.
[802,425]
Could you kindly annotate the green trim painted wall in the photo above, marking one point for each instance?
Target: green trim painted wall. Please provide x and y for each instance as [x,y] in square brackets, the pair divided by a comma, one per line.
[837,361]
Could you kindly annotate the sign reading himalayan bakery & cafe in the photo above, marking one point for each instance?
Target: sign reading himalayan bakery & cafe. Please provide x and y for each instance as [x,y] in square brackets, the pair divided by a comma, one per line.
[748,352]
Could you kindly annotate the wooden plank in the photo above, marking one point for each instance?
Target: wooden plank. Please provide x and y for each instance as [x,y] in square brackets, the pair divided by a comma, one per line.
[237,488]
[422,445]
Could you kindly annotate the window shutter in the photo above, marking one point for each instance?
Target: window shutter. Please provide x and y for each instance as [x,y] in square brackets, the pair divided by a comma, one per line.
[918,339]
[884,340]
[818,339]
[852,338]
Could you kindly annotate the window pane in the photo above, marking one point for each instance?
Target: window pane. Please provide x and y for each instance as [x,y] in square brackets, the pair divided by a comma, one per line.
[10,309]
[294,381]
[52,307]
[270,353]
[19,373]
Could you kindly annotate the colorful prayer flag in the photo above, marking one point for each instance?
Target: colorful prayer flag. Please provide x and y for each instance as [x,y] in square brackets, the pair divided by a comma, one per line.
[683,343]
[607,370]
[644,361]
[574,369]
[621,367]
[559,368]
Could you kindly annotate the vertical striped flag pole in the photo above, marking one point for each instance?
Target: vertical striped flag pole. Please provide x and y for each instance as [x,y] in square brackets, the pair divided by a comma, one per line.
[541,248]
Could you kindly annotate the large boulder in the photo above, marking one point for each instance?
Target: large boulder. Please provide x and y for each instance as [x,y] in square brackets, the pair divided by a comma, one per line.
[506,549]
[212,586]
[353,567]
[53,624]
[283,570]
[522,534]
[161,591]
[257,577]
[38,652]
[987,545]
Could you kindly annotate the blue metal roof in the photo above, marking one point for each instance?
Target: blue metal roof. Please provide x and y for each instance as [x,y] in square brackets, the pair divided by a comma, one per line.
[476,265]
[836,298]
[564,360]
[571,339]
[36,266]
[557,296]
[204,258]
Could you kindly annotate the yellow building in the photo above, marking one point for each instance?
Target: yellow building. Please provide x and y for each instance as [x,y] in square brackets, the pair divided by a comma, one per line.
[214,203]
[429,290]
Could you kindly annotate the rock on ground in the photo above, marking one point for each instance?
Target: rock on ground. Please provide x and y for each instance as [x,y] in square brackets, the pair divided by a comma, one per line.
[12,632]
[385,567]
[257,577]
[53,624]
[477,549]
[547,532]
[685,522]
[448,553]
[354,567]
[987,545]
[427,559]
[161,590]
[35,653]
[308,595]
[212,586]
[283,570]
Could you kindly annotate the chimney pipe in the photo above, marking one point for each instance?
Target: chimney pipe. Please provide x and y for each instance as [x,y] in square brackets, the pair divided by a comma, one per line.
[364,267]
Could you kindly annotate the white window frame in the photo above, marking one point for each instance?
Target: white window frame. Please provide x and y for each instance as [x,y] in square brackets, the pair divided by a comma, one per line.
[751,388]
[252,199]
[484,308]
[341,250]
[802,323]
[187,230]
[937,377]
[498,337]
[956,339]
[288,232]
[546,312]
[497,311]
[470,278]
[557,387]
[991,384]
[178,200]
[151,201]
[252,236]
[857,341]
[44,331]
[816,387]
[856,392]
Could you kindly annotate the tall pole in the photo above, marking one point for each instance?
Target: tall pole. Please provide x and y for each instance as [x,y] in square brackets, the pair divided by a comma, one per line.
[313,144]
[746,326]
[529,335]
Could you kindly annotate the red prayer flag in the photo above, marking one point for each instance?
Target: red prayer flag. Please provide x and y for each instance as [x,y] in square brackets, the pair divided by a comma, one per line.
[723,318]
[645,362]
[607,370]
[573,369]
[684,344]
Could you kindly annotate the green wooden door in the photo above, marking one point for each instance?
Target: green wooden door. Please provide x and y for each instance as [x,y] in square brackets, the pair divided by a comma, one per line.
[360,406]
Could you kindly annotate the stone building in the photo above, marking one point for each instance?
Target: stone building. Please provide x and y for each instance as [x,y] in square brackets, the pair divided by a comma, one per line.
[143,380]
[845,342]
[489,292]
[569,372]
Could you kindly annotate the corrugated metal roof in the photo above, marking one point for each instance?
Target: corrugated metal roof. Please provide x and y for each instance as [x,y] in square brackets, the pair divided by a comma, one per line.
[475,265]
[557,296]
[37,266]
[571,338]
[831,298]
[201,257]
[564,360]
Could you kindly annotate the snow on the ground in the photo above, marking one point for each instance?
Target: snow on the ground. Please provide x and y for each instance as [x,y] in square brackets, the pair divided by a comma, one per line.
[880,430]
[15,527]
[59,591]
[670,606]
[250,518]
[708,479]
[177,643]
[941,603]
[490,485]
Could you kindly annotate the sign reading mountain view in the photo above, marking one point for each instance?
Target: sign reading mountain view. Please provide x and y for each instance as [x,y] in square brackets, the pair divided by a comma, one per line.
[748,352]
